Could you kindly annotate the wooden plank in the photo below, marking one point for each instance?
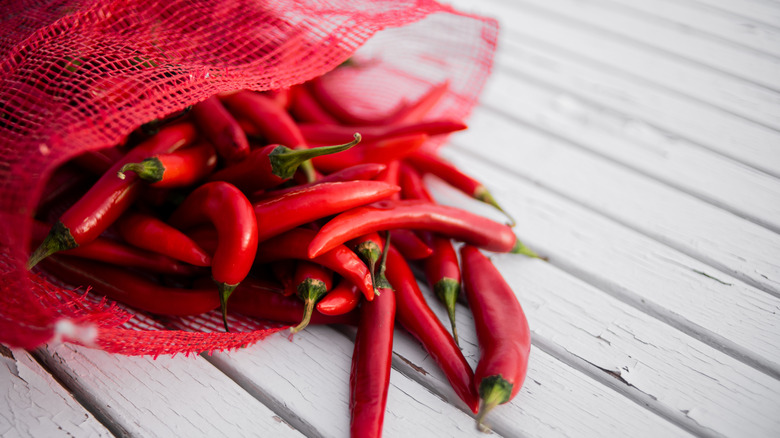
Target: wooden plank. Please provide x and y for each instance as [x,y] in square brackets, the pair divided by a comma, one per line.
[764,11]
[141,396]
[33,404]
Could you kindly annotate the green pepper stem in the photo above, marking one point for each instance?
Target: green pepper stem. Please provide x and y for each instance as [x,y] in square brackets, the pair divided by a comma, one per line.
[150,170]
[58,239]
[225,290]
[447,290]
[520,248]
[482,194]
[311,290]
[493,391]
[285,161]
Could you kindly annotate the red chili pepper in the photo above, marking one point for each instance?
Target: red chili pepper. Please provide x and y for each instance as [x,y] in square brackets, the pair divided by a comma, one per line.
[109,197]
[412,184]
[380,151]
[410,245]
[443,274]
[454,222]
[271,165]
[321,133]
[358,172]
[371,363]
[271,118]
[417,110]
[223,205]
[312,281]
[278,214]
[148,232]
[430,163]
[502,331]
[417,318]
[343,298]
[182,168]
[221,129]
[294,244]
[305,108]
[120,285]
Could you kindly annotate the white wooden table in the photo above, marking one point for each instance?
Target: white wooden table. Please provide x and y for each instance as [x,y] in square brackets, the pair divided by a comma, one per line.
[638,146]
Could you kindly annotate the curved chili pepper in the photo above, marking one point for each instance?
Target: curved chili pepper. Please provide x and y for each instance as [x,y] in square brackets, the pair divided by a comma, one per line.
[343,298]
[120,285]
[271,165]
[454,222]
[412,184]
[294,244]
[369,378]
[150,233]
[305,108]
[108,198]
[312,282]
[502,331]
[221,129]
[443,274]
[428,162]
[229,210]
[361,172]
[417,318]
[321,133]
[278,214]
[177,169]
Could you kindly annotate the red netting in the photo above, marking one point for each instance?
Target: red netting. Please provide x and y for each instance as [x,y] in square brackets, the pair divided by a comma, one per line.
[80,75]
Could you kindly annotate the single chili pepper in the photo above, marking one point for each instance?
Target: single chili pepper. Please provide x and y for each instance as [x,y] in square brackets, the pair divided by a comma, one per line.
[343,298]
[221,129]
[305,108]
[182,168]
[412,184]
[109,197]
[428,162]
[358,172]
[148,232]
[369,378]
[134,290]
[223,205]
[321,133]
[294,244]
[410,245]
[502,331]
[116,253]
[278,214]
[443,274]
[271,165]
[98,161]
[312,282]
[454,222]
[416,111]
[380,151]
[413,313]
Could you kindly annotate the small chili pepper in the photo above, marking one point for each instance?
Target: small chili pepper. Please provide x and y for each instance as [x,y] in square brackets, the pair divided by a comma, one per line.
[221,129]
[454,222]
[148,232]
[430,163]
[380,151]
[413,313]
[312,282]
[223,205]
[358,172]
[443,274]
[343,298]
[182,168]
[271,165]
[305,108]
[294,244]
[320,133]
[121,285]
[109,197]
[502,331]
[412,184]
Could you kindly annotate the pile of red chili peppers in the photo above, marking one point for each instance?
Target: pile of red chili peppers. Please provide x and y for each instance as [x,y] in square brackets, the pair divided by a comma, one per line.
[287,206]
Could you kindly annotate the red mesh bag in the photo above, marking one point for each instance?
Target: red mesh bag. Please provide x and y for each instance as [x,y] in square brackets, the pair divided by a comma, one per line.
[81,75]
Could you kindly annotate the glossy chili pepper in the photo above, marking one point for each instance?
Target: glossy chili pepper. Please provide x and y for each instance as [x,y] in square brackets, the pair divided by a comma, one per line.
[417,318]
[390,175]
[305,108]
[148,232]
[121,285]
[312,281]
[271,165]
[343,298]
[109,197]
[369,378]
[278,214]
[454,222]
[294,244]
[411,246]
[502,331]
[182,168]
[321,133]
[412,184]
[358,172]
[443,274]
[379,151]
[221,129]
[223,205]
[428,162]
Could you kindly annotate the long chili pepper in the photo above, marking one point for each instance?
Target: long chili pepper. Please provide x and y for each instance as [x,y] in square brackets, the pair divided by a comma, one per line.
[365,171]
[502,331]
[411,246]
[221,129]
[278,214]
[121,285]
[443,274]
[343,298]
[454,222]
[148,232]
[312,282]
[223,205]
[176,169]
[271,165]
[305,108]
[321,133]
[417,318]
[380,151]
[412,184]
[369,378]
[294,244]
[109,197]
[428,162]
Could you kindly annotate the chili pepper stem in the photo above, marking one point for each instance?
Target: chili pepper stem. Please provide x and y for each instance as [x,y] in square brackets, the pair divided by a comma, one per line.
[493,390]
[58,239]
[311,290]
[225,290]
[448,289]
[370,253]
[150,170]
[285,161]
[482,194]
[307,167]
[520,248]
